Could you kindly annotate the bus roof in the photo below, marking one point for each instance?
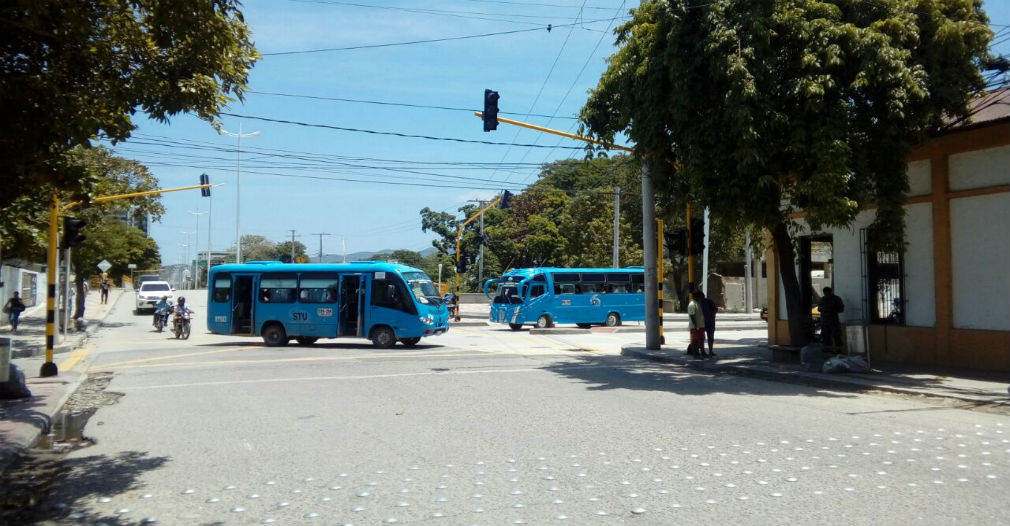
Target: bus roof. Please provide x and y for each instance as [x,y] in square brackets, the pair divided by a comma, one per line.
[277,266]
[560,270]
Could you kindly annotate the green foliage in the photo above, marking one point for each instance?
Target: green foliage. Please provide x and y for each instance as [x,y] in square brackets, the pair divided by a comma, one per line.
[282,252]
[403,257]
[773,107]
[72,70]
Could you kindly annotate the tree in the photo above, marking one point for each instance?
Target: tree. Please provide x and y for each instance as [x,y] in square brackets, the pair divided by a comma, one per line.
[773,108]
[403,257]
[108,236]
[282,252]
[72,70]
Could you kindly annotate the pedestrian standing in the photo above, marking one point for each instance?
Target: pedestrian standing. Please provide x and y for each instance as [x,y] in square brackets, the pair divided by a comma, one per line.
[830,307]
[105,290]
[13,308]
[708,310]
[696,326]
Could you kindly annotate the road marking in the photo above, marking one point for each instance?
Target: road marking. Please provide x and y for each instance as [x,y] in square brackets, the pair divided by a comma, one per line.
[451,354]
[74,359]
[161,358]
[362,377]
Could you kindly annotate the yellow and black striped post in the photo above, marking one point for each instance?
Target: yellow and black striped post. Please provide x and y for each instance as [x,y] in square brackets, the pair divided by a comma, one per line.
[49,368]
[659,276]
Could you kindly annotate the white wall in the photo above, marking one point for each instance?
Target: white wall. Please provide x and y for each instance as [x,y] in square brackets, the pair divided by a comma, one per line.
[920,177]
[920,290]
[980,168]
[980,254]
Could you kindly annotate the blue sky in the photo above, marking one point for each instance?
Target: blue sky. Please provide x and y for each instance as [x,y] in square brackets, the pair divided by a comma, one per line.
[314,179]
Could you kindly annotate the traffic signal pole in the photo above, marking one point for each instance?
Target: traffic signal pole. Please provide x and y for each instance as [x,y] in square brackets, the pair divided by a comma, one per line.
[459,236]
[653,331]
[49,367]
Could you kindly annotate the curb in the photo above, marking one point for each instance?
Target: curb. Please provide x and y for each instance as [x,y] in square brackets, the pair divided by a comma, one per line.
[816,379]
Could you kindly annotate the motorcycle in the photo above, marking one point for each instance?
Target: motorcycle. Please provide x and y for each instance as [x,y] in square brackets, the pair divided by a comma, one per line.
[181,324]
[161,317]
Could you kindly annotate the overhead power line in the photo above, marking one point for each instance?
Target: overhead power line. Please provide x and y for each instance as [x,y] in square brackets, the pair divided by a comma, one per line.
[432,40]
[400,104]
[395,134]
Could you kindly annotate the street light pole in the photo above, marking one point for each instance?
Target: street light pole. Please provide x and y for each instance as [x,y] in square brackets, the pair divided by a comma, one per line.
[321,234]
[196,248]
[238,184]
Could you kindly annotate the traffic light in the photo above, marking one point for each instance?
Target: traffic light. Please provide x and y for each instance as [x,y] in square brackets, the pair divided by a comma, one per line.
[461,266]
[697,236]
[72,236]
[506,199]
[490,110]
[676,241]
[205,179]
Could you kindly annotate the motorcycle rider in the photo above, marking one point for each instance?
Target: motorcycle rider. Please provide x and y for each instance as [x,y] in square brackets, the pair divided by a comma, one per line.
[162,308]
[181,310]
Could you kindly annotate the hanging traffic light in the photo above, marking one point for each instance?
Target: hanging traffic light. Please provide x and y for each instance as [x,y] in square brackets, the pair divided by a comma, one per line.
[72,236]
[676,241]
[205,179]
[490,114]
[506,199]
[461,266]
[697,236]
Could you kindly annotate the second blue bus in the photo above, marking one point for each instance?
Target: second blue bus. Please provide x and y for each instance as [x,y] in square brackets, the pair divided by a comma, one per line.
[544,296]
[384,302]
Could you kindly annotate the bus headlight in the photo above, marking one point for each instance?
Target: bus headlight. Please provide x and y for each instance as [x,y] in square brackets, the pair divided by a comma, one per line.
[427,320]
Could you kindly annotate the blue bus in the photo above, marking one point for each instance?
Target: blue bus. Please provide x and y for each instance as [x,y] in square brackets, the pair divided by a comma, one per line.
[383,302]
[584,296]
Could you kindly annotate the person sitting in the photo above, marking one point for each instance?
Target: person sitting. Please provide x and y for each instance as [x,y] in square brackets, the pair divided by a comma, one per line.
[161,308]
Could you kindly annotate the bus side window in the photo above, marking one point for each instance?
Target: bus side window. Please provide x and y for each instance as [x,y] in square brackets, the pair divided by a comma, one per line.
[222,288]
[278,288]
[391,294]
[536,290]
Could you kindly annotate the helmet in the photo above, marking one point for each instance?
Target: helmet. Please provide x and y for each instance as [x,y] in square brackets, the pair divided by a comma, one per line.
[182,299]
[164,298]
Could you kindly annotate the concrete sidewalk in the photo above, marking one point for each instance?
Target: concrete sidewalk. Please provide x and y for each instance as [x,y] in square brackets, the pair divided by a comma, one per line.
[23,421]
[974,387]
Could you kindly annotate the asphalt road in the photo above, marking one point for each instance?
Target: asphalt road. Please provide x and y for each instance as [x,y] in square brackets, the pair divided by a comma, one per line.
[490,426]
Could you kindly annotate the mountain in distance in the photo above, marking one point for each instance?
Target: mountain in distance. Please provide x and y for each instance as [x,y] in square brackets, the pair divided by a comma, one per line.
[365,256]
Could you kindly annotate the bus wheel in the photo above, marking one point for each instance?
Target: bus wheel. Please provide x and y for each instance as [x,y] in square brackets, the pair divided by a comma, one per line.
[274,335]
[613,319]
[305,341]
[515,326]
[410,342]
[544,321]
[383,337]
[584,325]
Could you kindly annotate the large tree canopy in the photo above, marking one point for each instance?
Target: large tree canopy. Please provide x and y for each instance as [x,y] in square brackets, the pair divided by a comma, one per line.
[774,107]
[74,70]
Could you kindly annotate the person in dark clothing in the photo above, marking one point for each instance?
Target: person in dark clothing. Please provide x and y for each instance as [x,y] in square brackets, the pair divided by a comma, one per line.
[830,307]
[708,310]
[105,290]
[14,307]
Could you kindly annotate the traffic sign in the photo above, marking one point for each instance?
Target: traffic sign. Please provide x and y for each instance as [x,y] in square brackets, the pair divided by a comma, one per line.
[104,265]
[301,259]
[131,266]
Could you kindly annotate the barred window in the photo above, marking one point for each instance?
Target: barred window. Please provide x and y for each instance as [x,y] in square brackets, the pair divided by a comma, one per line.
[886,287]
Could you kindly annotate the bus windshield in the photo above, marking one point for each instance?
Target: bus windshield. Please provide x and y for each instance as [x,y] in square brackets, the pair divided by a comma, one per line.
[422,287]
[508,294]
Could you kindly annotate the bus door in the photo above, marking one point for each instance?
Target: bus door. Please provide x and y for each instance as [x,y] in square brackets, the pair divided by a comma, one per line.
[537,299]
[353,298]
[242,305]
[219,308]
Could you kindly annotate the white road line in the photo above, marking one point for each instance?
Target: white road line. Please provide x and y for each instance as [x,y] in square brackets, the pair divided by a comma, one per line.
[362,377]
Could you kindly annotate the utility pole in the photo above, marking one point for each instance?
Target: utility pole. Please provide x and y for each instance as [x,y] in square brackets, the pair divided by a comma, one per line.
[480,251]
[704,258]
[196,249]
[292,245]
[321,234]
[617,225]
[748,301]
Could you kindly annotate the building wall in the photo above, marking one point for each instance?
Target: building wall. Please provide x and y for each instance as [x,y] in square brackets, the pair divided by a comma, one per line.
[957,259]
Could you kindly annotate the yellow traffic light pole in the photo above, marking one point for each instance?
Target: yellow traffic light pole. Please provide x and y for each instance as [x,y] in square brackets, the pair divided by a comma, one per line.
[49,367]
